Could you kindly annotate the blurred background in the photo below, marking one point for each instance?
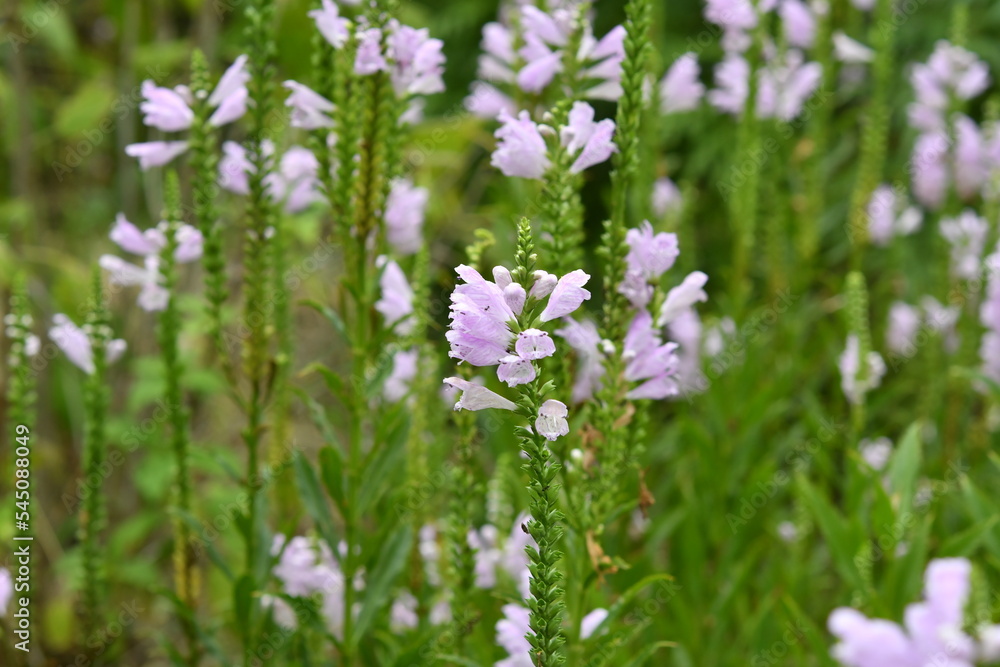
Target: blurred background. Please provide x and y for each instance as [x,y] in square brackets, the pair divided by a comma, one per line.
[69,96]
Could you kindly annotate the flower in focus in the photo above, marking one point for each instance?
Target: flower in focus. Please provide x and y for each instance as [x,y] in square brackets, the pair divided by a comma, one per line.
[477,397]
[551,423]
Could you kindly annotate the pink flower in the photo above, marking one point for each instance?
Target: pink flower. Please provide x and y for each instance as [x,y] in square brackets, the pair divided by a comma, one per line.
[799,23]
[929,169]
[234,167]
[732,78]
[417,60]
[128,237]
[650,255]
[369,58]
[933,628]
[521,150]
[680,89]
[649,360]
[666,197]
[230,95]
[567,296]
[850,367]
[785,86]
[585,340]
[477,397]
[889,216]
[583,133]
[75,344]
[966,235]
[155,153]
[479,332]
[534,344]
[515,370]
[309,108]
[904,322]
[488,102]
[685,295]
[396,304]
[404,370]
[551,423]
[164,109]
[542,65]
[404,216]
[153,296]
[331,25]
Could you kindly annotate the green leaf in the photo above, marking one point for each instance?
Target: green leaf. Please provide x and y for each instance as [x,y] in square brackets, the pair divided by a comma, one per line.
[331,466]
[332,316]
[835,529]
[313,499]
[390,563]
[964,543]
[904,468]
[87,111]
[647,652]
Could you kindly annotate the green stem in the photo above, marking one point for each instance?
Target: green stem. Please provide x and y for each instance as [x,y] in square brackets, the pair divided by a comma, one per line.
[186,575]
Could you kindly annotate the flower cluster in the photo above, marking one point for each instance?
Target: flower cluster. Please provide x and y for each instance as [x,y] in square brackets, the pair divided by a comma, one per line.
[932,632]
[295,182]
[951,77]
[307,568]
[169,110]
[522,151]
[412,58]
[906,321]
[544,52]
[148,245]
[651,363]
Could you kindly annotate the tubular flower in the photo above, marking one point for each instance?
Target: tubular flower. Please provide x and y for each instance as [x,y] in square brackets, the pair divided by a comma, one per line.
[477,397]
[75,343]
[482,313]
[592,140]
[932,632]
[889,216]
[521,150]
[396,304]
[850,365]
[404,216]
[169,110]
[680,89]
[309,108]
[149,244]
